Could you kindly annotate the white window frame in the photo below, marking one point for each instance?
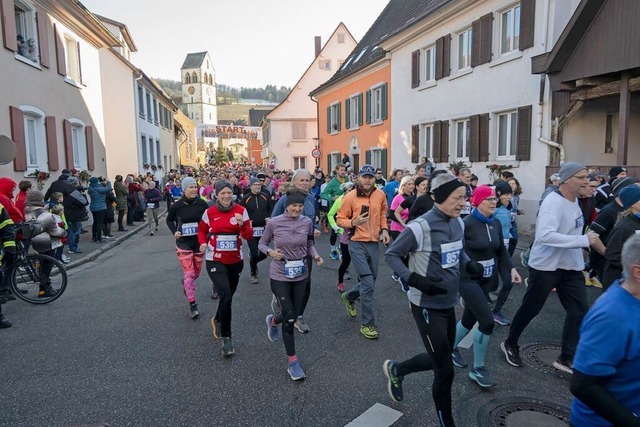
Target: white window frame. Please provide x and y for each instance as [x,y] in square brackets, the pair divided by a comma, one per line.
[336,157]
[376,104]
[354,111]
[299,162]
[79,144]
[428,65]
[26,26]
[325,64]
[376,158]
[462,138]
[509,31]
[511,143]
[464,41]
[334,117]
[39,141]
[425,144]
[71,58]
[299,131]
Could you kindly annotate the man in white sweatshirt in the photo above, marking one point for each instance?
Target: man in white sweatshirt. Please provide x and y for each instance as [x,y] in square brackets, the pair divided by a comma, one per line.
[556,261]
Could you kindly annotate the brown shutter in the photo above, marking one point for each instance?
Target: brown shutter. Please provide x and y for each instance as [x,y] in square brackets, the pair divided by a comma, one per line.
[444,141]
[474,138]
[437,131]
[17,134]
[68,144]
[487,38]
[88,134]
[527,23]
[476,36]
[484,138]
[415,68]
[9,32]
[43,38]
[446,58]
[80,63]
[415,139]
[62,65]
[523,150]
[52,143]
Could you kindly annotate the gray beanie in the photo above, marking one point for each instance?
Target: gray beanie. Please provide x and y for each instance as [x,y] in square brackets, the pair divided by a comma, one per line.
[187,182]
[220,185]
[569,169]
[254,181]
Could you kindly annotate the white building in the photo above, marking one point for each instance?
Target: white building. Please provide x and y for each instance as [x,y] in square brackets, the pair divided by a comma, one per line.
[199,101]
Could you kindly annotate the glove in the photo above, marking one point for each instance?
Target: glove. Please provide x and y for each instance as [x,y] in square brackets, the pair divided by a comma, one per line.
[426,285]
[475,269]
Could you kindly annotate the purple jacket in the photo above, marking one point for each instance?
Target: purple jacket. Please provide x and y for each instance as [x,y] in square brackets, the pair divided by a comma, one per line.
[293,237]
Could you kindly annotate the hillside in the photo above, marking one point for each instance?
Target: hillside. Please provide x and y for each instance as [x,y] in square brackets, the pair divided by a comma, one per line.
[237,112]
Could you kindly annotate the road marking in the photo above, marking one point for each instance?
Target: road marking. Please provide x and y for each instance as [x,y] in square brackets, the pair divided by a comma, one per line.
[467,341]
[378,415]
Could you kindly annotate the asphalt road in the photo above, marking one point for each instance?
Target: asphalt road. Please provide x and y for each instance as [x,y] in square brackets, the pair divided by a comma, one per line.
[119,348]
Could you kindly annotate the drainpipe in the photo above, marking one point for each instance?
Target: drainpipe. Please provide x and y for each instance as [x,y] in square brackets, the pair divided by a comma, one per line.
[542,139]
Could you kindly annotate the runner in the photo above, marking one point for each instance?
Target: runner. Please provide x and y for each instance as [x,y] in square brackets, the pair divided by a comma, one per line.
[182,220]
[259,207]
[435,244]
[424,203]
[344,238]
[292,237]
[219,233]
[331,192]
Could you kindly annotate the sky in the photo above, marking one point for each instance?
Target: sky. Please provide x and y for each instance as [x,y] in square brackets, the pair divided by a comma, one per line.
[252,43]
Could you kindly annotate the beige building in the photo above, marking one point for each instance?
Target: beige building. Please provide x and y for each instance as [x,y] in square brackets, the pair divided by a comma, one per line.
[185,135]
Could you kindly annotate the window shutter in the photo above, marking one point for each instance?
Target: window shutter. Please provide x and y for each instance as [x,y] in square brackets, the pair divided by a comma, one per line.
[446,56]
[328,119]
[347,113]
[481,40]
[17,134]
[80,69]
[484,137]
[368,106]
[444,141]
[527,23]
[367,157]
[52,143]
[474,136]
[476,35]
[339,115]
[439,64]
[91,161]
[68,143]
[43,38]
[9,31]
[415,139]
[384,101]
[523,150]
[415,68]
[437,131]
[384,162]
[328,163]
[62,65]
[359,109]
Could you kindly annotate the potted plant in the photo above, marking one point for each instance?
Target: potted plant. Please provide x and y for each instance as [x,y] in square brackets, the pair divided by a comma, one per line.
[456,166]
[41,177]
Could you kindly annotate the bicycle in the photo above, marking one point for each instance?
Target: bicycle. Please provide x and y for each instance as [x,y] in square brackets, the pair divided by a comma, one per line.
[36,278]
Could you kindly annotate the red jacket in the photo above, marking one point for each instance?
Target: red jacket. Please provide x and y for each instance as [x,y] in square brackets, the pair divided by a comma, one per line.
[222,233]
[7,186]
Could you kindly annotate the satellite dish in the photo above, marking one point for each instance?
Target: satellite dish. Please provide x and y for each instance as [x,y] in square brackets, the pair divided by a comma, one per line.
[7,150]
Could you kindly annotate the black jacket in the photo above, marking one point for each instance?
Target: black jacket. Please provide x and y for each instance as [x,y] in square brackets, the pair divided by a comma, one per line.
[627,227]
[74,204]
[60,185]
[259,207]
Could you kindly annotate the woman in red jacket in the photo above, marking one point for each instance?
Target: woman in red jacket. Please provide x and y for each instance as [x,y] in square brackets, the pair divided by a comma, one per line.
[219,233]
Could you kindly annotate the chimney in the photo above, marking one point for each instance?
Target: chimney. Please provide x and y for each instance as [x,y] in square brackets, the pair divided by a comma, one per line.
[318,44]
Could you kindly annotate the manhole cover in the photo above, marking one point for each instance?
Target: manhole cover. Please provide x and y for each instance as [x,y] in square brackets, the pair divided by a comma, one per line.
[541,355]
[522,411]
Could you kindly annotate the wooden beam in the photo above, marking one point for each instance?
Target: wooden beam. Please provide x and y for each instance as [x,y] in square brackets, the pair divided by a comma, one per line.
[623,123]
[591,82]
[607,89]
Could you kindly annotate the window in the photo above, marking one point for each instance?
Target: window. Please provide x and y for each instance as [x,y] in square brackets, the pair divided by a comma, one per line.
[510,30]
[149,110]
[429,54]
[72,58]
[187,78]
[377,104]
[152,157]
[77,140]
[354,111]
[299,163]
[26,32]
[335,158]
[194,77]
[299,130]
[341,38]
[325,64]
[35,139]
[140,101]
[143,145]
[426,141]
[158,156]
[507,134]
[155,110]
[376,159]
[334,118]
[464,49]
[462,138]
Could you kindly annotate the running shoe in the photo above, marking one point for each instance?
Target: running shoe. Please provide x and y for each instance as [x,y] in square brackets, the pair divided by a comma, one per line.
[596,283]
[65,259]
[350,307]
[301,325]
[227,347]
[395,277]
[151,233]
[347,276]
[404,285]
[254,280]
[76,251]
[193,310]
[340,287]
[47,293]
[215,326]
[524,258]
[334,254]
[275,305]
[295,370]
[214,293]
[500,319]
[273,333]
[511,353]
[4,323]
[458,359]
[394,383]
[369,332]
[482,377]
[563,365]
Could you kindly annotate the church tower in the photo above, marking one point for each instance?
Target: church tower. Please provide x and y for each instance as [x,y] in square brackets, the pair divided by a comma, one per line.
[199,101]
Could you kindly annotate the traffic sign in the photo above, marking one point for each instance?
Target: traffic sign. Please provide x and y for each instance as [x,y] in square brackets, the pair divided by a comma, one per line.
[316,153]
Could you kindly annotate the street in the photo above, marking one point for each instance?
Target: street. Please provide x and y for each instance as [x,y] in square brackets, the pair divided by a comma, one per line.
[119,348]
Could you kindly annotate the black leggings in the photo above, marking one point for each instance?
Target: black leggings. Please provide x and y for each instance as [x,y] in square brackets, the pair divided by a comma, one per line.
[256,255]
[475,306]
[98,220]
[307,288]
[120,218]
[333,237]
[226,278]
[437,330]
[290,295]
[346,261]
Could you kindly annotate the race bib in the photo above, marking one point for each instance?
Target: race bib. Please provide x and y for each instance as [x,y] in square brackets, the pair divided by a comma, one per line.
[226,243]
[258,231]
[293,269]
[488,267]
[467,209]
[189,229]
[151,205]
[450,253]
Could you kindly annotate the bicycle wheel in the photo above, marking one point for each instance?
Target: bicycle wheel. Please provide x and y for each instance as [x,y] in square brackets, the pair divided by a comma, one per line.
[38,279]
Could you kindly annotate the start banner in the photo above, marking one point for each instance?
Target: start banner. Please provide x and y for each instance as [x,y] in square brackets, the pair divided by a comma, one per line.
[229,131]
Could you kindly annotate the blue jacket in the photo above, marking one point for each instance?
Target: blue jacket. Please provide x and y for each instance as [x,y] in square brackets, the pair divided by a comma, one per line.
[503,214]
[98,194]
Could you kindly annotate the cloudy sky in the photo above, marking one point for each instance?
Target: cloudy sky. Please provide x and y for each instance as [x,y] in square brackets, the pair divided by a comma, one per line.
[252,42]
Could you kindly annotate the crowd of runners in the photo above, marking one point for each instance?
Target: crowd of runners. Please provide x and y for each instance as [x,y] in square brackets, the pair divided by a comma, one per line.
[448,240]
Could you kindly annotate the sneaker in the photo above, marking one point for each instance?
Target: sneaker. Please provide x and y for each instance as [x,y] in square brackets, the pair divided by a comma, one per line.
[215,326]
[295,370]
[275,305]
[482,377]
[214,293]
[500,319]
[351,308]
[193,310]
[108,237]
[151,233]
[340,287]
[334,254]
[563,365]
[596,283]
[347,276]
[458,359]
[254,280]
[47,293]
[404,285]
[395,277]
[512,354]
[394,383]
[227,347]
[273,333]
[74,251]
[122,229]
[301,325]
[4,323]
[65,258]
[369,332]
[587,279]
[524,258]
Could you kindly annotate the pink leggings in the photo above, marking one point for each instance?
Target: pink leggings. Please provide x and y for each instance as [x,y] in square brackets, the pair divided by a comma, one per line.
[191,263]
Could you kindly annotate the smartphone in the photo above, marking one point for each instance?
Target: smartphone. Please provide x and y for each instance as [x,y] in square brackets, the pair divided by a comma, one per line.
[364,210]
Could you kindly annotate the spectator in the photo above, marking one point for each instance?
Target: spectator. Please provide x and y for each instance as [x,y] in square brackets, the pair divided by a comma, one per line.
[98,206]
[122,191]
[21,198]
[75,211]
[7,187]
[153,197]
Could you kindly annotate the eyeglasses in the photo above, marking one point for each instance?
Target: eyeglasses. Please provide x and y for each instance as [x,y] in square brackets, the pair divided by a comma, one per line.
[378,173]
[491,199]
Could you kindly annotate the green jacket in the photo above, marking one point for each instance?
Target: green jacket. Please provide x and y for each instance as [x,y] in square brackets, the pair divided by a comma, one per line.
[332,189]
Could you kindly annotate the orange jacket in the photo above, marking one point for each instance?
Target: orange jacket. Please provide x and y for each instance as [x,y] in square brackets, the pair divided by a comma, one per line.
[351,207]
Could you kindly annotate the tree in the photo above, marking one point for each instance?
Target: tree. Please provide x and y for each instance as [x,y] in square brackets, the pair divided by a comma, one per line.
[221,155]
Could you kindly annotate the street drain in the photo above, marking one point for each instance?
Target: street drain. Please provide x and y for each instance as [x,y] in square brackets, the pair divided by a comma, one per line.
[541,355]
[522,411]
